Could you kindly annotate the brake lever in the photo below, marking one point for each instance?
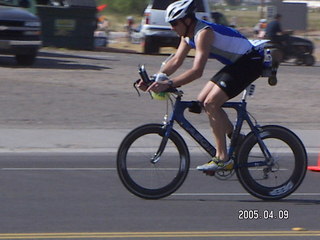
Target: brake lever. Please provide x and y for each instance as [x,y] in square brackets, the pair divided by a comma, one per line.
[136,88]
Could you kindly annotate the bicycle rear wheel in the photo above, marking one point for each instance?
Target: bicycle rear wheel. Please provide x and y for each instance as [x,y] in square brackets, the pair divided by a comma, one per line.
[147,179]
[284,176]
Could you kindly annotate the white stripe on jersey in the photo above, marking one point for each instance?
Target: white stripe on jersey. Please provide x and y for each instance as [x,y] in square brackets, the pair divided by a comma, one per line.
[228,44]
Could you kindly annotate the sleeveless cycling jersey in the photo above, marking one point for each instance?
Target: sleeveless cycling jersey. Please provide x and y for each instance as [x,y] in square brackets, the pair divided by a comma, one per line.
[228,44]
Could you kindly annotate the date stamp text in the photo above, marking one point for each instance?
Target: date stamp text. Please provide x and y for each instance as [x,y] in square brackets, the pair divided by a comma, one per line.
[256,214]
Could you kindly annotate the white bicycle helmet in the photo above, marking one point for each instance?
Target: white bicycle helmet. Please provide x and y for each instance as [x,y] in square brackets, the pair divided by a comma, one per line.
[179,9]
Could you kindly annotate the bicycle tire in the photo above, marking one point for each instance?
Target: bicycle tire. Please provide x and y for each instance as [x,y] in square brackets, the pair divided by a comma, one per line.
[152,180]
[287,149]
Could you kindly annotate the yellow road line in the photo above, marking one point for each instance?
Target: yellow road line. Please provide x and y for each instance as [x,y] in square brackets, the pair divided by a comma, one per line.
[119,235]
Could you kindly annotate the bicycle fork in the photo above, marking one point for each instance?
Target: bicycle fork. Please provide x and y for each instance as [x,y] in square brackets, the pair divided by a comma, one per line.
[167,127]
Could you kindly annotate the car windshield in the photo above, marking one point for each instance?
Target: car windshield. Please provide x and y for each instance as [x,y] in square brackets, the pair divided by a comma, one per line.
[163,4]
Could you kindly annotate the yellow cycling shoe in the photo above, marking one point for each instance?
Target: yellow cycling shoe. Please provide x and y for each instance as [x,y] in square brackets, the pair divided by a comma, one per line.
[216,164]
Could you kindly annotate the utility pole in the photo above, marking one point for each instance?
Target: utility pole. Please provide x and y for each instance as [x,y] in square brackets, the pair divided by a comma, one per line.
[262,9]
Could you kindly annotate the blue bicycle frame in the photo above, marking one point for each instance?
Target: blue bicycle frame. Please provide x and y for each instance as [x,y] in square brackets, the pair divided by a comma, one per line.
[242,115]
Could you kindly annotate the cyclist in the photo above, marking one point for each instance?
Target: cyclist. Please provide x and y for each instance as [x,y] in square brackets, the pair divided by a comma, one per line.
[243,65]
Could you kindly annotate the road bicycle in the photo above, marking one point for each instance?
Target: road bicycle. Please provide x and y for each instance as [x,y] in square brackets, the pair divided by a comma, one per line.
[153,160]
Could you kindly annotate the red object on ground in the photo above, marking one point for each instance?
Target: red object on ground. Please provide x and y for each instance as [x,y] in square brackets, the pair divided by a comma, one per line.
[315,168]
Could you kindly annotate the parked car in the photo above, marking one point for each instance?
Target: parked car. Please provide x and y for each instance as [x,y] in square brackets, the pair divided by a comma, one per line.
[156,32]
[19,33]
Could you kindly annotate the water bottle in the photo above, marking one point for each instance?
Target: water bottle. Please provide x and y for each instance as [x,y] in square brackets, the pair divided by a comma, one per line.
[267,64]
[161,95]
[143,74]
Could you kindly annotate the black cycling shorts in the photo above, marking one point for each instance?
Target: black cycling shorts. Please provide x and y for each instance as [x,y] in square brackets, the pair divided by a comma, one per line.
[234,78]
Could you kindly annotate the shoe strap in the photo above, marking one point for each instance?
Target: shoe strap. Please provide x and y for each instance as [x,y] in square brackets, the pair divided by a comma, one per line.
[216,160]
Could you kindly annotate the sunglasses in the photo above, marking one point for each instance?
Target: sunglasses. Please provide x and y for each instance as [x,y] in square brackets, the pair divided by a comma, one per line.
[174,23]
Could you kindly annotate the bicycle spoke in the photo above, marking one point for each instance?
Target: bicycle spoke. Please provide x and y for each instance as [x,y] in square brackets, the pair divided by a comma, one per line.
[145,177]
[277,178]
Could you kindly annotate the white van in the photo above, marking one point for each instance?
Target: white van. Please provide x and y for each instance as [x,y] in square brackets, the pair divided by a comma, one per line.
[156,32]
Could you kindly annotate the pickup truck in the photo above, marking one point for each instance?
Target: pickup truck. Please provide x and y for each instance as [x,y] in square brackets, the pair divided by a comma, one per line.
[156,32]
[20,34]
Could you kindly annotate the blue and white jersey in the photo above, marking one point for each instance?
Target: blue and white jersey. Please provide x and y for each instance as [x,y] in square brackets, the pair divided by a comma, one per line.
[228,44]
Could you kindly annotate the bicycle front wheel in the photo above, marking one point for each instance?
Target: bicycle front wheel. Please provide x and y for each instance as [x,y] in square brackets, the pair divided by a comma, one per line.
[138,170]
[285,174]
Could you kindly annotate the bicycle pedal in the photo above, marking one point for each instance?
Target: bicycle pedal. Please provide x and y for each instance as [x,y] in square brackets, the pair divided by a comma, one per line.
[209,173]
[224,174]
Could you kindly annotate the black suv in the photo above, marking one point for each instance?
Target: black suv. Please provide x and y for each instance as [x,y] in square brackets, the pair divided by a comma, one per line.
[19,34]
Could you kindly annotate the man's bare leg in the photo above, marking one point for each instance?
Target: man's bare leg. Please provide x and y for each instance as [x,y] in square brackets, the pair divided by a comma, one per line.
[213,98]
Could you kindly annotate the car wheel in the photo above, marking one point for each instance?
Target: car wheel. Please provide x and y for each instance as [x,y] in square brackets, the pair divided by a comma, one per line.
[150,46]
[25,60]
[309,60]
[299,61]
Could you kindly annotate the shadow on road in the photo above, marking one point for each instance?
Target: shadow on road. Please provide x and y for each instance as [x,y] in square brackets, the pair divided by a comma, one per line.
[55,60]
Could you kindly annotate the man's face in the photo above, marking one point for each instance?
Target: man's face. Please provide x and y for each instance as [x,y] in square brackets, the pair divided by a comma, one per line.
[178,27]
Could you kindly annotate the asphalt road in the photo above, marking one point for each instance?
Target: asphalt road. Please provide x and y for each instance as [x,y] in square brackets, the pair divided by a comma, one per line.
[62,120]
[52,193]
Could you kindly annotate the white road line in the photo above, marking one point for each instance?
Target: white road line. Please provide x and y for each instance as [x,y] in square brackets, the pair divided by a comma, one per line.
[235,194]
[58,169]
[113,169]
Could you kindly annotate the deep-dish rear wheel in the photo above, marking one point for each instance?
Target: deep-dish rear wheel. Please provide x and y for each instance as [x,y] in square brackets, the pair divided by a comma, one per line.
[141,173]
[286,173]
